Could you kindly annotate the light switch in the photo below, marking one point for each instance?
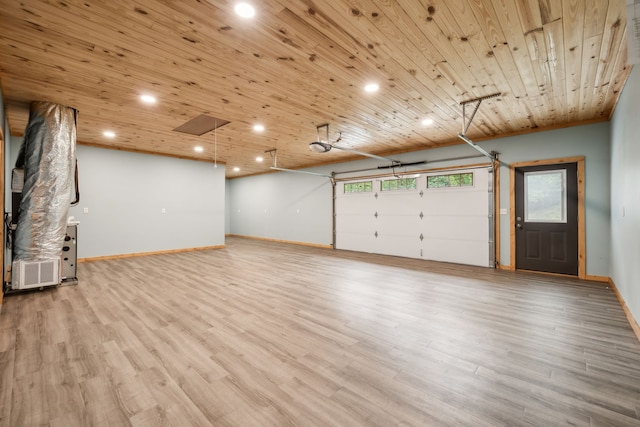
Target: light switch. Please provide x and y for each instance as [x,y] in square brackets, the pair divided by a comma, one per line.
[503,211]
[85,210]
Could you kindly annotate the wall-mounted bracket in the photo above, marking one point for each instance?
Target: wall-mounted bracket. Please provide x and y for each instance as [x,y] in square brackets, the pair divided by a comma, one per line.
[274,155]
[466,123]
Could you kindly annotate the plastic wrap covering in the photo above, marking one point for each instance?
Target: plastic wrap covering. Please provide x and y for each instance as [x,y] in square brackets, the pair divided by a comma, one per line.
[47,155]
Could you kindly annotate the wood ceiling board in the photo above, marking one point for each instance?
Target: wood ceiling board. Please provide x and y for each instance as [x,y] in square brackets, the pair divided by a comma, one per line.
[573,11]
[297,65]
[612,39]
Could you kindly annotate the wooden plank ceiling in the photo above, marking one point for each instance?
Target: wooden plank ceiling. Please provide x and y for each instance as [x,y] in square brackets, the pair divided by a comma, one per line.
[299,64]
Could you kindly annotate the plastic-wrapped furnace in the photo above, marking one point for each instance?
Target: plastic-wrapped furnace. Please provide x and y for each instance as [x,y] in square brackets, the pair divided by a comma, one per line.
[47,156]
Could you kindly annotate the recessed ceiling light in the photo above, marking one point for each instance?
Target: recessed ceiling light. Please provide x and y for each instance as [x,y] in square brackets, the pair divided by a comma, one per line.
[148,99]
[109,134]
[258,128]
[198,149]
[245,10]
[236,169]
[427,122]
[259,159]
[372,87]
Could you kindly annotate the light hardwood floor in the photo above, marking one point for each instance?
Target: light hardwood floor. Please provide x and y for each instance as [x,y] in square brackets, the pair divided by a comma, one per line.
[267,334]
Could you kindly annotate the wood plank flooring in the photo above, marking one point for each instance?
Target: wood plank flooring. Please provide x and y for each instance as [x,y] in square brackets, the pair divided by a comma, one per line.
[268,334]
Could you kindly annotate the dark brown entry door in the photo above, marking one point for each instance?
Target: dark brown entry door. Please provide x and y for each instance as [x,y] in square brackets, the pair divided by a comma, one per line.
[547,218]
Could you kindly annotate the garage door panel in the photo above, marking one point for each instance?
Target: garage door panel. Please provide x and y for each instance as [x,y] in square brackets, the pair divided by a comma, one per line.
[355,204]
[354,223]
[399,245]
[397,203]
[456,227]
[400,225]
[453,221]
[440,203]
[458,251]
[355,241]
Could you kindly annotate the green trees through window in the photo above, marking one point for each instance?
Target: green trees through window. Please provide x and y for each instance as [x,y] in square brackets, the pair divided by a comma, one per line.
[452,180]
[399,184]
[358,187]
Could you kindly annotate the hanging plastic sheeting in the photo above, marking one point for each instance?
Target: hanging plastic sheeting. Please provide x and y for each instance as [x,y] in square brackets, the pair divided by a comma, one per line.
[48,156]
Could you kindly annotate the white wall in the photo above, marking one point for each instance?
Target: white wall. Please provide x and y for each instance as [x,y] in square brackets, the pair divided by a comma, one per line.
[125,193]
[280,193]
[625,195]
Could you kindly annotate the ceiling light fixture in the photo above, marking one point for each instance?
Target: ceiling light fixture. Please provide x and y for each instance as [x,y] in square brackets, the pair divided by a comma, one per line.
[427,122]
[245,10]
[198,149]
[258,128]
[320,147]
[109,134]
[259,159]
[372,87]
[236,169]
[148,99]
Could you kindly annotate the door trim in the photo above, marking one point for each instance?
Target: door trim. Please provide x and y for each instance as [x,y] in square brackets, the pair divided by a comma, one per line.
[582,247]
[2,191]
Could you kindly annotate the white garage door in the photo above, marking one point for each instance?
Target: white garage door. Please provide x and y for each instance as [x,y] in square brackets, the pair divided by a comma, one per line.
[441,216]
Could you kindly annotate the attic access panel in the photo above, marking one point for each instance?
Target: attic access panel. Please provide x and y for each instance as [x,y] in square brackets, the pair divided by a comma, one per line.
[201,124]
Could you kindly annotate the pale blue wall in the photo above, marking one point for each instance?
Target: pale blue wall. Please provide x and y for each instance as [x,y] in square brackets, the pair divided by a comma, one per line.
[282,206]
[125,193]
[280,194]
[590,141]
[227,198]
[625,195]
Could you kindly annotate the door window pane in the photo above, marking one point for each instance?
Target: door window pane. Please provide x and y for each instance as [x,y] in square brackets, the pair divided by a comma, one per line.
[545,196]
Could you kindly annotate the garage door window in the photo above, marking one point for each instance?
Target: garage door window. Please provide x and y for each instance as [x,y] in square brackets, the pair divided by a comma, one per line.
[450,180]
[399,184]
[358,187]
